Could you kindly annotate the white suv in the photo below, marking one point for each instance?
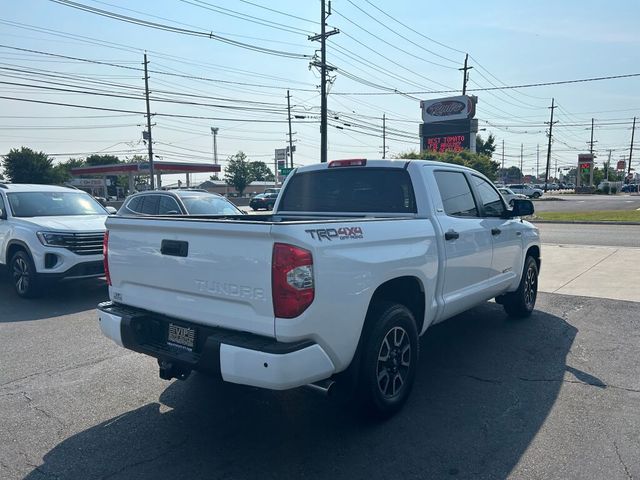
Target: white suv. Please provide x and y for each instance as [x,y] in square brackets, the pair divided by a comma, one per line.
[528,190]
[49,233]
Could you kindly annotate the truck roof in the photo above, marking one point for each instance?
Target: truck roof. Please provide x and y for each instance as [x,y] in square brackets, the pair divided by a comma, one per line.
[33,187]
[379,163]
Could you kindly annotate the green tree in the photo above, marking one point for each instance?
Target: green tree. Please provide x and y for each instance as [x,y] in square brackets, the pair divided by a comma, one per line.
[238,172]
[260,172]
[93,160]
[28,166]
[63,169]
[481,163]
[486,147]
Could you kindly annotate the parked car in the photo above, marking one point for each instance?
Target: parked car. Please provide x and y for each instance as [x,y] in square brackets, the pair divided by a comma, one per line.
[178,202]
[49,233]
[630,188]
[272,190]
[358,260]
[510,196]
[527,190]
[264,200]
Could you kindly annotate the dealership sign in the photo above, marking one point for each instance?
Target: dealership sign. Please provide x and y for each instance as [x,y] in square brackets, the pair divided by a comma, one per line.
[451,108]
[446,143]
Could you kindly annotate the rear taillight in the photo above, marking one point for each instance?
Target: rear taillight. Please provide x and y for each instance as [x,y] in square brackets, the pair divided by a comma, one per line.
[291,280]
[105,252]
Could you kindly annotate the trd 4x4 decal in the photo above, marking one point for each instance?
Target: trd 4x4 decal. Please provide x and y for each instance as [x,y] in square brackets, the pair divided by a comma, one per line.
[341,233]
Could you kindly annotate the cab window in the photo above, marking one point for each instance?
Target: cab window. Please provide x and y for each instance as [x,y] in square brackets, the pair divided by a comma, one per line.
[456,195]
[492,205]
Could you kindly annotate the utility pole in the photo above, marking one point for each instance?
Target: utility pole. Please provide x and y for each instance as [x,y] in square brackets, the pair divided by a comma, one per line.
[290,134]
[550,123]
[503,175]
[606,173]
[465,77]
[384,135]
[633,130]
[592,142]
[537,162]
[521,155]
[150,142]
[324,68]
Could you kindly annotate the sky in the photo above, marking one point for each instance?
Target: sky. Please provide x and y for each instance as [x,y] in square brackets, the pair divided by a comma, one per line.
[229,63]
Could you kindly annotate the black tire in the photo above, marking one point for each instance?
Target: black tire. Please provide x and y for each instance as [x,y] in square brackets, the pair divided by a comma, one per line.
[389,360]
[536,195]
[521,303]
[24,278]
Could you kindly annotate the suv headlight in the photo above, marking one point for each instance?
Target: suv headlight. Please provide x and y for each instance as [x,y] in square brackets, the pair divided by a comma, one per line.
[52,239]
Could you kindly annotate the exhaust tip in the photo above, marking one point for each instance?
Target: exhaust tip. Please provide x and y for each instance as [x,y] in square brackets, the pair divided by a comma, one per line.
[323,387]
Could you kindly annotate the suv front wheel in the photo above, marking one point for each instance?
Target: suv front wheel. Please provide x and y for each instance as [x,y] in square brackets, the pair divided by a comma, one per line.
[24,277]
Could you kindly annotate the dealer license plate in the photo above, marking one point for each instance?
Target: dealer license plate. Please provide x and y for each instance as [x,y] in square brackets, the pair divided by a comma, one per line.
[182,337]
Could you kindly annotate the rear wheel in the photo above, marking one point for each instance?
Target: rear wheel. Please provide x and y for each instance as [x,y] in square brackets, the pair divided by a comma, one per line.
[25,279]
[536,194]
[520,304]
[389,360]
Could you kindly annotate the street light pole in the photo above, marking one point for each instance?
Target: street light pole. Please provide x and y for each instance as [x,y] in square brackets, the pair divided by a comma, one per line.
[214,131]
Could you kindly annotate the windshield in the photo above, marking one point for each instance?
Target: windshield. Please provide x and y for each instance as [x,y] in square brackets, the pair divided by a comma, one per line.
[46,204]
[209,205]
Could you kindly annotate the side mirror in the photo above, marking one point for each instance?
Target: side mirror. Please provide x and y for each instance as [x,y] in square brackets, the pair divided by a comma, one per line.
[111,210]
[522,208]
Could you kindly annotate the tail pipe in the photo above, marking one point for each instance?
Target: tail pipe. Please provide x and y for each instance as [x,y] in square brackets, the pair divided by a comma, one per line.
[323,387]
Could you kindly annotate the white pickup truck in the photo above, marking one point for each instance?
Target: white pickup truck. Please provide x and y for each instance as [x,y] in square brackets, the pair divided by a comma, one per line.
[358,259]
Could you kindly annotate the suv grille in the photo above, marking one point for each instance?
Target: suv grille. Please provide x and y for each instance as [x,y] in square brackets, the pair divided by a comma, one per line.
[84,243]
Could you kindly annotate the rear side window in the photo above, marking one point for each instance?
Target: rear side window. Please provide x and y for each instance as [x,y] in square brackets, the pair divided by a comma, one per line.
[150,204]
[134,204]
[168,206]
[361,190]
[456,194]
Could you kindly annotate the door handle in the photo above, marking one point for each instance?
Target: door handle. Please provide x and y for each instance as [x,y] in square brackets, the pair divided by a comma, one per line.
[496,231]
[451,235]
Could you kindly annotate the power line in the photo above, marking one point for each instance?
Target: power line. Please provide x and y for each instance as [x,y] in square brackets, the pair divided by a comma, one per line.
[246,17]
[506,87]
[177,30]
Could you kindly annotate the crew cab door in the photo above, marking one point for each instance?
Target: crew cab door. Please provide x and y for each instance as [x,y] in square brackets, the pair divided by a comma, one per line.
[506,234]
[467,243]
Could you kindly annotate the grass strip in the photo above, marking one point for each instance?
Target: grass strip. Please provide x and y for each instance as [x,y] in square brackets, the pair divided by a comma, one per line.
[591,216]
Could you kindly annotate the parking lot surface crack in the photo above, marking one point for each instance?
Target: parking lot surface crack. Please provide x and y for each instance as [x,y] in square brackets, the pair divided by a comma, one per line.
[485,380]
[578,382]
[624,466]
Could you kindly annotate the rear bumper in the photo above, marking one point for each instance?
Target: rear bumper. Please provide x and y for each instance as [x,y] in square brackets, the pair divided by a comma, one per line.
[236,357]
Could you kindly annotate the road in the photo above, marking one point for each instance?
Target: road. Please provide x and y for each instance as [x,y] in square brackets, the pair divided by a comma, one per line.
[579,234]
[577,203]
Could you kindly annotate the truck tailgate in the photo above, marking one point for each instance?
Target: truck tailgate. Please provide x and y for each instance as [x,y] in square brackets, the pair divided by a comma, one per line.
[216,273]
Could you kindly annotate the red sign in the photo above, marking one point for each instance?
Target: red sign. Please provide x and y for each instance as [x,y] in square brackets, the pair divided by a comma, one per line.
[622,165]
[446,143]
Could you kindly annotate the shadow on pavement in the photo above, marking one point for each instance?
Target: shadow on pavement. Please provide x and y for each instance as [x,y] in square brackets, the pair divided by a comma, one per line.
[485,386]
[61,298]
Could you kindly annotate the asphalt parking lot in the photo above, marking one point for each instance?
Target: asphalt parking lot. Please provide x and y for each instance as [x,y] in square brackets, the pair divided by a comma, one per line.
[557,396]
